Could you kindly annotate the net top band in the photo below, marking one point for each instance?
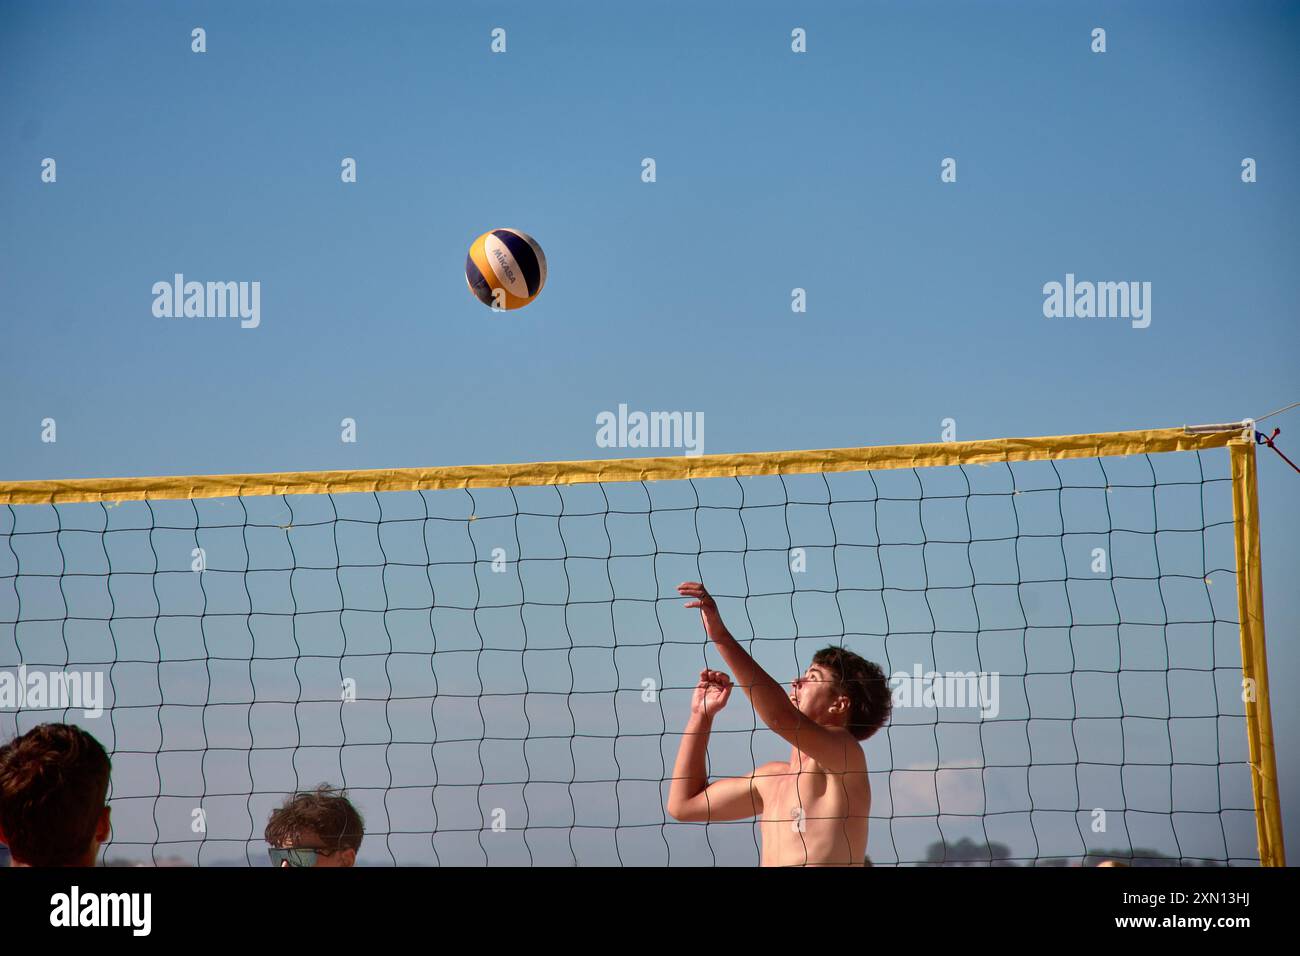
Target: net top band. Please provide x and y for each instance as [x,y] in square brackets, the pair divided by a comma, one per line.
[667,468]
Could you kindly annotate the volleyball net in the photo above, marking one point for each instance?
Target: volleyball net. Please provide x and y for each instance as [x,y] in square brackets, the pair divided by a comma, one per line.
[495,663]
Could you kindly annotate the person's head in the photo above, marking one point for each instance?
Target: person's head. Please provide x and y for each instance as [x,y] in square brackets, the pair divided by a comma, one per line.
[841,689]
[53,789]
[315,828]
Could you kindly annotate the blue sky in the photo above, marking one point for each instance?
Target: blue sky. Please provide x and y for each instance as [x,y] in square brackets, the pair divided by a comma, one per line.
[774,171]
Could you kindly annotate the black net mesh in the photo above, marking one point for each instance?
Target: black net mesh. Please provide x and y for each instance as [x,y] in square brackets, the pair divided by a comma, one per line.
[502,676]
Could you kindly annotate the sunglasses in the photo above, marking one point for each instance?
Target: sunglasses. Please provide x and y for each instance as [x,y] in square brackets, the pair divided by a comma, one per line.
[297,856]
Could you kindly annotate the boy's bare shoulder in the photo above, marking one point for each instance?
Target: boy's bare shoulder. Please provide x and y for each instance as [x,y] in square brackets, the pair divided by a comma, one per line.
[855,754]
[765,774]
[856,749]
[763,779]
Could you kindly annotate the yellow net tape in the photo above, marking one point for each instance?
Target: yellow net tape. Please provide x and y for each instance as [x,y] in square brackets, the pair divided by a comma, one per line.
[618,469]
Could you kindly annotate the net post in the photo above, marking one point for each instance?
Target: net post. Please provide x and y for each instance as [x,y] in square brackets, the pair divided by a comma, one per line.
[1254,663]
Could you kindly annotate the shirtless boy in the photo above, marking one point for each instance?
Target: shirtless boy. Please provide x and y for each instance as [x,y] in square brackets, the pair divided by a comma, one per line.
[813,807]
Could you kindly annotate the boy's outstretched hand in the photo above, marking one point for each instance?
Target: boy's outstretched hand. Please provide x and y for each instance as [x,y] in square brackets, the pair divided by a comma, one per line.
[712,693]
[694,589]
[703,600]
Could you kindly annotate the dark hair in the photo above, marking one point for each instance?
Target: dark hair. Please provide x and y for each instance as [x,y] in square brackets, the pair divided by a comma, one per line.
[53,787]
[870,700]
[325,811]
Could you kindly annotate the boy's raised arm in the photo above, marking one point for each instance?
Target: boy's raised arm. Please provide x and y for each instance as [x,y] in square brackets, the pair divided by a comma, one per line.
[771,701]
[691,797]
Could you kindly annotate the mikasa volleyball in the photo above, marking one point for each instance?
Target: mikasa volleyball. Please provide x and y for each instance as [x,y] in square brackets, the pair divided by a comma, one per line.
[505,268]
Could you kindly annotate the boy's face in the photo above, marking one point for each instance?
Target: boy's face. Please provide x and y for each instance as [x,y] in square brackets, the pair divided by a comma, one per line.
[815,694]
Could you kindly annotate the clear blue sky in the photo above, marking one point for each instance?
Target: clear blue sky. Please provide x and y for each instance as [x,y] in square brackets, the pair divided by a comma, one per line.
[775,171]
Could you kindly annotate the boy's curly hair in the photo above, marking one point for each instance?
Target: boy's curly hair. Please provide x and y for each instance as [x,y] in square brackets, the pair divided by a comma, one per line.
[325,811]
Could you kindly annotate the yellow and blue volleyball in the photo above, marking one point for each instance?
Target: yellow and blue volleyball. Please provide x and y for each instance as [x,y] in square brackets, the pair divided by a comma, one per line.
[505,268]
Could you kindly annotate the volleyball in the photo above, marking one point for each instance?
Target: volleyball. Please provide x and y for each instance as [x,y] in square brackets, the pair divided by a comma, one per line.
[505,268]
